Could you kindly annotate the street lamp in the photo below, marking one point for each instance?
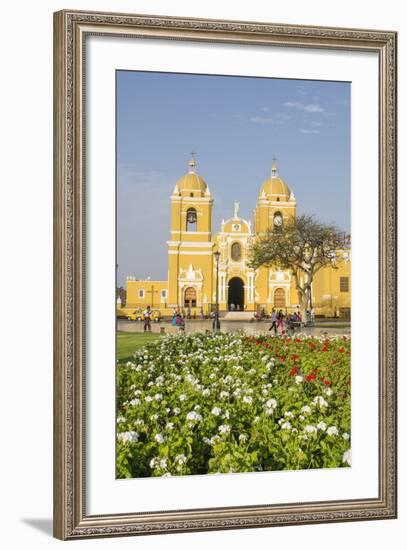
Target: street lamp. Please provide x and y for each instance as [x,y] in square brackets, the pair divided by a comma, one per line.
[216,323]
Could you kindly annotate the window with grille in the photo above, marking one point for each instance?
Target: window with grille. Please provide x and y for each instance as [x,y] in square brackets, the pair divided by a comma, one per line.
[344,284]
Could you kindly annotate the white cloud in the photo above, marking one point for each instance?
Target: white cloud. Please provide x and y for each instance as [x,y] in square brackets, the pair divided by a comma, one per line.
[309,107]
[265,109]
[313,108]
[316,124]
[308,131]
[293,105]
[283,116]
[261,120]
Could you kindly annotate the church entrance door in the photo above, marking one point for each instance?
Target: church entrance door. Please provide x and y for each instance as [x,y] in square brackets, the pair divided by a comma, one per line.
[236,294]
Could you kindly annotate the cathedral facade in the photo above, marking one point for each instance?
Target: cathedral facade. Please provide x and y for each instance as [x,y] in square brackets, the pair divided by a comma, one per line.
[192,264]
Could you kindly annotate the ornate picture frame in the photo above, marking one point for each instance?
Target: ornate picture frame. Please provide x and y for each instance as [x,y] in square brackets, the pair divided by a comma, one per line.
[71,31]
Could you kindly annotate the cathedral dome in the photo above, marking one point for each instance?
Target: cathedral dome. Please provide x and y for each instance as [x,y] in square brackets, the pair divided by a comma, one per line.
[274,187]
[191,182]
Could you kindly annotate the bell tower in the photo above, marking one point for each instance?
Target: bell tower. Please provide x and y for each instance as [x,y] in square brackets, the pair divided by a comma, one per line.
[190,246]
[275,203]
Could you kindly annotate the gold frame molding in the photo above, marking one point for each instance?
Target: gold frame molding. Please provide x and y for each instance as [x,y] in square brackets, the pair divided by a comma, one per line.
[70,31]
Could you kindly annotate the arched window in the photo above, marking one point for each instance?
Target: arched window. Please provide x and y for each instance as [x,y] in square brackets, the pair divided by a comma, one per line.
[236,252]
[279,298]
[192,220]
[190,297]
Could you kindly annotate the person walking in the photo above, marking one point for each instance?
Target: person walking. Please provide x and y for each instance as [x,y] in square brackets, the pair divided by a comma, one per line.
[312,315]
[280,319]
[273,321]
[147,319]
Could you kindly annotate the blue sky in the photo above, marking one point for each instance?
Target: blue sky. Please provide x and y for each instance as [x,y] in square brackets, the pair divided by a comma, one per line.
[235,125]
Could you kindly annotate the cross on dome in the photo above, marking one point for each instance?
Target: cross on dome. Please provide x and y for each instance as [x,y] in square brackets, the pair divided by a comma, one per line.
[192,162]
[236,214]
[274,172]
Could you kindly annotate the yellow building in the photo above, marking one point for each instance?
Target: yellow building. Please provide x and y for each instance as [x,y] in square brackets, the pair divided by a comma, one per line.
[191,283]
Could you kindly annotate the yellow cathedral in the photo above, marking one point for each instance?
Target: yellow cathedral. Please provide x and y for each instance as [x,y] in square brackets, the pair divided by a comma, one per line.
[191,283]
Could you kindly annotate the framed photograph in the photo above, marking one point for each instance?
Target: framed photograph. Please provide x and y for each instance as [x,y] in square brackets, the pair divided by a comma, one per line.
[225,274]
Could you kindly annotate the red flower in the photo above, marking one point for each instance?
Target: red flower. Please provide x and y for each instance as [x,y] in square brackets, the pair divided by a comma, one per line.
[341,350]
[294,357]
[327,382]
[294,371]
[298,340]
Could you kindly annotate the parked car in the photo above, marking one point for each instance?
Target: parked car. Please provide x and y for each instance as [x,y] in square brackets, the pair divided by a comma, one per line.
[138,315]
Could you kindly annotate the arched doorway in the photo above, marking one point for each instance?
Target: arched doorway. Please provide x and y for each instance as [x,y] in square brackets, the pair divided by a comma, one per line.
[279,298]
[236,294]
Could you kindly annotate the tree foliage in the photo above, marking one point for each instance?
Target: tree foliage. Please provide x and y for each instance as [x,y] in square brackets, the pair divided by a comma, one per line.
[303,246]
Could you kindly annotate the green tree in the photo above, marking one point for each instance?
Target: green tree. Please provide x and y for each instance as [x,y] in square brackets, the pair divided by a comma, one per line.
[303,246]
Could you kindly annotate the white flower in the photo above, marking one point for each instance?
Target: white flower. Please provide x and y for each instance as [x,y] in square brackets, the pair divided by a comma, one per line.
[298,379]
[332,430]
[148,398]
[288,414]
[224,429]
[347,457]
[154,417]
[216,411]
[256,419]
[247,399]
[301,417]
[206,392]
[271,403]
[153,462]
[321,426]
[169,426]
[226,414]
[127,436]
[319,400]
[177,410]
[224,394]
[135,401]
[182,397]
[158,396]
[269,411]
[305,409]
[345,436]
[192,415]
[328,391]
[139,422]
[159,438]
[310,429]
[163,463]
[120,419]
[286,426]
[181,459]
[243,437]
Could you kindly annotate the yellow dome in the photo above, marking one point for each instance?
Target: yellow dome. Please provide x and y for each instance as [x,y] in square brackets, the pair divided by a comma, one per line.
[191,182]
[275,187]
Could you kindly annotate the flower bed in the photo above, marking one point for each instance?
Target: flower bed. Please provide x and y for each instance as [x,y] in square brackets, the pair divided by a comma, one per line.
[196,404]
